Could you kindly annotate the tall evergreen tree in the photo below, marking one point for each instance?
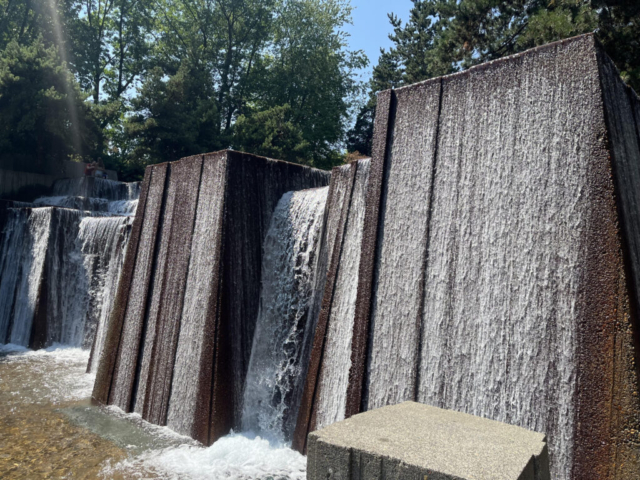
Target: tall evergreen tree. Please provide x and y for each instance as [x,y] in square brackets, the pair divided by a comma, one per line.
[43,117]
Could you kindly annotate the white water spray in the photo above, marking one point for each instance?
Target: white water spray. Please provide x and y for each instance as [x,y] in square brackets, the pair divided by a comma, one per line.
[288,268]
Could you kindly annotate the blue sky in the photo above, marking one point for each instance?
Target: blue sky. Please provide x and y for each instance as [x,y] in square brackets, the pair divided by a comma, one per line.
[371,26]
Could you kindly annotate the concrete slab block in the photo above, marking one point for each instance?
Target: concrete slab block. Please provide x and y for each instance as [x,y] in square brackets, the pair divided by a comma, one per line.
[415,441]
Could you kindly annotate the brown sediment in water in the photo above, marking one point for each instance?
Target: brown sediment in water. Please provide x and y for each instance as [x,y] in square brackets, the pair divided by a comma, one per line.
[40,442]
[37,439]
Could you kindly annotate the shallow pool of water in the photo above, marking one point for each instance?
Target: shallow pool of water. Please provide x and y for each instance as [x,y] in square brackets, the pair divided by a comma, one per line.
[50,429]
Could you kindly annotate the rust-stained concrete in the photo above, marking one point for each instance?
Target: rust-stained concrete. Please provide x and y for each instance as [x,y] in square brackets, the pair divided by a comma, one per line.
[562,109]
[186,308]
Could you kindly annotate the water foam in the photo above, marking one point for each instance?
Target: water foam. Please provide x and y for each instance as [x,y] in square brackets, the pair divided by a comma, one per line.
[235,457]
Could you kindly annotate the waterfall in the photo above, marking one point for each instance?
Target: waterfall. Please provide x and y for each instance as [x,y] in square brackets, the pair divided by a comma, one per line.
[276,369]
[22,257]
[122,207]
[60,262]
[91,187]
[76,202]
[64,288]
[103,242]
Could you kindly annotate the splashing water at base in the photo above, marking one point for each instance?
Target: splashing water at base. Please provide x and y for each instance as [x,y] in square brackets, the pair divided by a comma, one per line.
[236,456]
[52,431]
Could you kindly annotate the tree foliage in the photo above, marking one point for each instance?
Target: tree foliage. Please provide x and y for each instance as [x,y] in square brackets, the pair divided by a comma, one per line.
[168,78]
[143,81]
[262,59]
[43,119]
[446,36]
[272,133]
[173,118]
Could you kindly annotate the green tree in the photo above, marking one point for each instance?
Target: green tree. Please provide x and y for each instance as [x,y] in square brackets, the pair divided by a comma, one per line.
[173,118]
[43,118]
[223,38]
[271,133]
[387,74]
[165,78]
[110,44]
[263,55]
[313,72]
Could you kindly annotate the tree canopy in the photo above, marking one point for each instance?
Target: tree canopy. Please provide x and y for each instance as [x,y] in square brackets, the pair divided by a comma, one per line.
[43,118]
[142,81]
[168,78]
[446,36]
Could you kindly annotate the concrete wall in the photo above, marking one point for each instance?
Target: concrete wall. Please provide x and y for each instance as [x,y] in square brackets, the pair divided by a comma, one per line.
[180,335]
[325,391]
[498,273]
[411,441]
[20,184]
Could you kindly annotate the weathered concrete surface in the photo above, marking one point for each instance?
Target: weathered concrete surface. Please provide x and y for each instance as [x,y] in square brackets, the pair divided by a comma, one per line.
[398,282]
[330,355]
[126,366]
[412,441]
[107,362]
[18,184]
[182,328]
[338,200]
[186,175]
[519,286]
[381,136]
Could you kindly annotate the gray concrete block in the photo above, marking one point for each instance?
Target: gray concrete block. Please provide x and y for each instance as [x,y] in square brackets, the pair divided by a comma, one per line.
[419,442]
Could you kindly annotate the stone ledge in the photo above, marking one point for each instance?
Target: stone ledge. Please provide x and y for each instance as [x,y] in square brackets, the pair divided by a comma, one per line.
[419,442]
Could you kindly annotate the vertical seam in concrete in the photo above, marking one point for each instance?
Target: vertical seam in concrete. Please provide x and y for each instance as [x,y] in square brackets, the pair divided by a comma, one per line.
[426,243]
[369,251]
[193,227]
[312,386]
[148,298]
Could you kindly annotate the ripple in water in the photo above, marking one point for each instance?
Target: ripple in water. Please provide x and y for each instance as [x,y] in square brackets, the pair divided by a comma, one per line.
[50,430]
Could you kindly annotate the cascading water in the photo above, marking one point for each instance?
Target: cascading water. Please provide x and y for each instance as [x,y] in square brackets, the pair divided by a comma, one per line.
[64,290]
[76,202]
[91,187]
[334,374]
[271,396]
[60,262]
[103,242]
[94,194]
[22,258]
